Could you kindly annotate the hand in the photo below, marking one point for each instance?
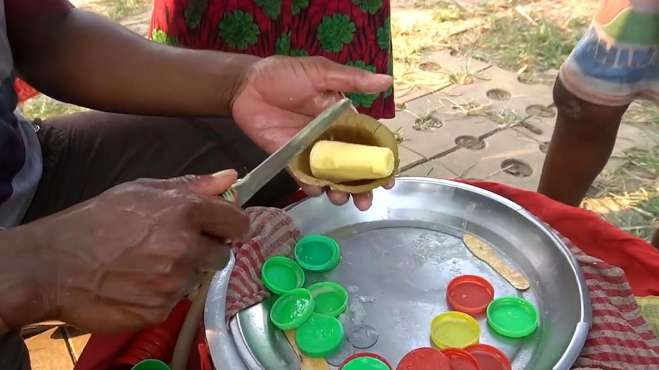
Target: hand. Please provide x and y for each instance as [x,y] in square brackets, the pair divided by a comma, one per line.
[122,260]
[280,95]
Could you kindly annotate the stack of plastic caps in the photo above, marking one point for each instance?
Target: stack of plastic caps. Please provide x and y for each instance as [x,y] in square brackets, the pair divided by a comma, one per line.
[312,312]
[456,333]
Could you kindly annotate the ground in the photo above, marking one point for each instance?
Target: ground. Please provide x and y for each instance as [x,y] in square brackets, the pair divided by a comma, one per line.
[473,89]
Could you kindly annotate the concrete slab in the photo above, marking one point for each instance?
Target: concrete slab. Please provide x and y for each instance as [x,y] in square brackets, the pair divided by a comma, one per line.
[432,138]
[408,158]
[77,341]
[453,63]
[434,168]
[49,351]
[503,155]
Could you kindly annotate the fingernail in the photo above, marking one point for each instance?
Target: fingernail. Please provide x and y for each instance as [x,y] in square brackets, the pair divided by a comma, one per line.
[384,78]
[225,173]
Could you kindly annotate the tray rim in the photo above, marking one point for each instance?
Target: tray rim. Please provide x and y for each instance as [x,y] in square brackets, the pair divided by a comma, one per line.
[227,354]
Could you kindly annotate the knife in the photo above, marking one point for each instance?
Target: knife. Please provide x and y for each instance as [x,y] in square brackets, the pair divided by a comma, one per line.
[241,192]
[249,185]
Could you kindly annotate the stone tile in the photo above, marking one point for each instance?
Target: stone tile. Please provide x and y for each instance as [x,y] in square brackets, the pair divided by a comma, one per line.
[487,163]
[500,90]
[630,136]
[408,158]
[402,98]
[451,63]
[537,128]
[434,168]
[48,351]
[77,341]
[429,104]
[431,142]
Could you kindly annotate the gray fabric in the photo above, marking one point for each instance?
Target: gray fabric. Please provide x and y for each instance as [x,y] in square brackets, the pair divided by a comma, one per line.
[20,153]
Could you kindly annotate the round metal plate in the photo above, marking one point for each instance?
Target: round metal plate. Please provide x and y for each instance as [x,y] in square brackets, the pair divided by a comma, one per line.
[398,258]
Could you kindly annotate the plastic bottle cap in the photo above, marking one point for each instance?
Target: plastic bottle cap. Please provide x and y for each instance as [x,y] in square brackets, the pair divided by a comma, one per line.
[469,294]
[331,298]
[461,359]
[454,329]
[292,309]
[281,275]
[320,336]
[365,361]
[512,317]
[150,364]
[317,253]
[424,359]
[489,358]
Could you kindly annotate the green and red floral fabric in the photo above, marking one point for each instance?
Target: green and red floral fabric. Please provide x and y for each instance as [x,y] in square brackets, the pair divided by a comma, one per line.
[352,32]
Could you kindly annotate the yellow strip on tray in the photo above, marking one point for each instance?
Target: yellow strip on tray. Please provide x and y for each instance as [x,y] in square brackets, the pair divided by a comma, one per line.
[487,254]
[308,363]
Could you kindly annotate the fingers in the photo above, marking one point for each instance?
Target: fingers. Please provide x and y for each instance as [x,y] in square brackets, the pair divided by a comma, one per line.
[214,184]
[212,254]
[218,218]
[363,201]
[338,77]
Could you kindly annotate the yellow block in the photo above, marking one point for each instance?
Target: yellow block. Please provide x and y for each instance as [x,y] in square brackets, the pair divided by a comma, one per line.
[340,162]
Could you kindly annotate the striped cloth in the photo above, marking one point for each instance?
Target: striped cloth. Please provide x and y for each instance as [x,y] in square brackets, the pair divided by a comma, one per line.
[619,339]
[272,233]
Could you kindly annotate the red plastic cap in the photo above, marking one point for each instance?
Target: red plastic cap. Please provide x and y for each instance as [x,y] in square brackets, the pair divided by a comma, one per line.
[489,358]
[364,354]
[469,294]
[461,359]
[424,359]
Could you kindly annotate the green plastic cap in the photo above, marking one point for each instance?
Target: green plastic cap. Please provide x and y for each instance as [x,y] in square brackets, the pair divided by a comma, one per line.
[292,309]
[317,253]
[512,317]
[365,363]
[331,298]
[281,275]
[150,364]
[320,336]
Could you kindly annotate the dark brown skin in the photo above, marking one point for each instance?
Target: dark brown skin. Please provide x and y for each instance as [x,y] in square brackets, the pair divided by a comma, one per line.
[122,260]
[580,147]
[157,236]
[86,59]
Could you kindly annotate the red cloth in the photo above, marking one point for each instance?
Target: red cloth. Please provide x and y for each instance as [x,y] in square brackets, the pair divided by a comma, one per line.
[24,91]
[592,235]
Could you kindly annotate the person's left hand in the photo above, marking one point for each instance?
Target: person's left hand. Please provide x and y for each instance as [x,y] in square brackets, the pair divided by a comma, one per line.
[280,95]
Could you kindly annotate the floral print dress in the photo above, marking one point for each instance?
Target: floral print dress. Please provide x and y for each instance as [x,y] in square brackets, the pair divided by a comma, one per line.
[352,32]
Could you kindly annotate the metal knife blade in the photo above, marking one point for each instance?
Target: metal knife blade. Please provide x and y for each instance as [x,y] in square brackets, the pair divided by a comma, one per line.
[246,187]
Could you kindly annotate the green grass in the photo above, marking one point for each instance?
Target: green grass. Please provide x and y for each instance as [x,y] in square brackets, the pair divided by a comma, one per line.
[542,46]
[120,9]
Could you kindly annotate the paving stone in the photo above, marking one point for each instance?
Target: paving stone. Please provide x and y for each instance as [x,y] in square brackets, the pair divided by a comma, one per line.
[48,351]
[402,98]
[77,341]
[408,158]
[487,163]
[434,168]
[630,136]
[454,63]
[501,91]
[537,128]
[432,142]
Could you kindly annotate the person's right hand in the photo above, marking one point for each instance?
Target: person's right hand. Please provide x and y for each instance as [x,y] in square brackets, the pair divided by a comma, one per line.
[122,260]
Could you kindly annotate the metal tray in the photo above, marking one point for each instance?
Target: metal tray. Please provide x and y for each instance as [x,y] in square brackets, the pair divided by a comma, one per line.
[397,260]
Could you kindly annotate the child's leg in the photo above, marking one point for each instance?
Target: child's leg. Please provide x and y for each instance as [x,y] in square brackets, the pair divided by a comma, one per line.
[580,147]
